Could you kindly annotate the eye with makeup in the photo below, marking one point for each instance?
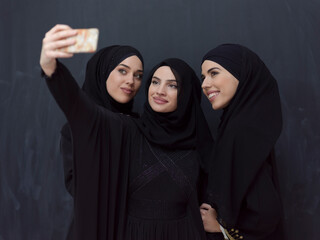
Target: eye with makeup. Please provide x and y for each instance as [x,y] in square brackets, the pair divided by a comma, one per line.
[122,71]
[173,85]
[155,81]
[213,73]
[138,75]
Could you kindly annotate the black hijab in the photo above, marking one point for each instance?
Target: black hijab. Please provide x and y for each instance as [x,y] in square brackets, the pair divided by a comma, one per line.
[184,128]
[98,69]
[249,128]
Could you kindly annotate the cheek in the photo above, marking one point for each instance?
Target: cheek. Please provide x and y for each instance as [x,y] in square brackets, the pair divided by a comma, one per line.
[174,98]
[149,91]
[152,89]
[233,89]
[111,82]
[112,90]
[230,92]
[137,85]
[108,87]
[174,105]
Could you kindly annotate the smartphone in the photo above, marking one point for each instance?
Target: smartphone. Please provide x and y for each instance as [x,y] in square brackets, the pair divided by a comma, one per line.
[86,41]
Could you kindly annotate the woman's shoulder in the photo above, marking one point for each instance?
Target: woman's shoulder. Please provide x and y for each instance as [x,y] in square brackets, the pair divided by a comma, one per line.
[117,118]
[243,128]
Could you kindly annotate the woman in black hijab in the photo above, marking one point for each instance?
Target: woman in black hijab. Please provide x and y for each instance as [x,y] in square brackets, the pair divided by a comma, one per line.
[97,87]
[136,178]
[243,185]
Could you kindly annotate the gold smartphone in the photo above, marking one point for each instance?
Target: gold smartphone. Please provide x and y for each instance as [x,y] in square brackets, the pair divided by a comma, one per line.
[86,41]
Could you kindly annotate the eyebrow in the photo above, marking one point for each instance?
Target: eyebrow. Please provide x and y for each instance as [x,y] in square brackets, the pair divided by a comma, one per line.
[129,67]
[213,69]
[168,80]
[210,70]
[171,80]
[124,65]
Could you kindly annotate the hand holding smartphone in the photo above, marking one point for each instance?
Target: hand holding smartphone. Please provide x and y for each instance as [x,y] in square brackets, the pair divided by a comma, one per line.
[86,41]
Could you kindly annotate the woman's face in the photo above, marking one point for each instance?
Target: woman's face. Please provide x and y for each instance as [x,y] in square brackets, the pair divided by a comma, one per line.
[124,81]
[163,91]
[218,84]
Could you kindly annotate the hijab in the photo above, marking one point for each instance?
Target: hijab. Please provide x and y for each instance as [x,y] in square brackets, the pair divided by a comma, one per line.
[249,128]
[184,128]
[98,70]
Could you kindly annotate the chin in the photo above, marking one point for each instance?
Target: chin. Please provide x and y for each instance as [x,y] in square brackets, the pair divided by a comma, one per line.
[124,100]
[216,107]
[156,109]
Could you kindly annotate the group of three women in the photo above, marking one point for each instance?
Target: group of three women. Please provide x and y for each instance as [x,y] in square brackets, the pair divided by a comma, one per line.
[145,177]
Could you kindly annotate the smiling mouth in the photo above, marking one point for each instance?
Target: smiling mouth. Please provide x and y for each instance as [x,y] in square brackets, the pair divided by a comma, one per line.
[213,95]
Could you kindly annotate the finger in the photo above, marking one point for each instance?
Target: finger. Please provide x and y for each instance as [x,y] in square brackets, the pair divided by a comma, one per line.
[57,28]
[203,212]
[52,46]
[205,205]
[53,54]
[212,210]
[60,35]
[59,54]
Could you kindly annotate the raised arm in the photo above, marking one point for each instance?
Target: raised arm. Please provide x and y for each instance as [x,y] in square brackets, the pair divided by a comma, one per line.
[68,95]
[55,38]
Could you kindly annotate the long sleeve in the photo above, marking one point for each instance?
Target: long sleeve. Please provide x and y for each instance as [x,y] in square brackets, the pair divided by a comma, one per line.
[202,187]
[76,106]
[215,236]
[102,145]
[67,157]
[65,90]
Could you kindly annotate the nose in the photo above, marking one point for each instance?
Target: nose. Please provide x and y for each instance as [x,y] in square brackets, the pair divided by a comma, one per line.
[130,79]
[161,90]
[204,84]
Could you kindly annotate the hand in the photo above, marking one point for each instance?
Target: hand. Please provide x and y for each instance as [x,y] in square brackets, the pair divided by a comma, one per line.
[55,38]
[209,218]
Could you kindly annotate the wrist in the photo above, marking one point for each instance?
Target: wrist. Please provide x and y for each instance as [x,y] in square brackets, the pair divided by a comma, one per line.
[49,69]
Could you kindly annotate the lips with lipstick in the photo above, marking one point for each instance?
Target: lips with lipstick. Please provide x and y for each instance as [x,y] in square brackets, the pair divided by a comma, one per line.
[159,100]
[127,90]
[212,95]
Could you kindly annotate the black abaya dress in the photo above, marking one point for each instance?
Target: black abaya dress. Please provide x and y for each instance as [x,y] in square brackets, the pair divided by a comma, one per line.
[243,184]
[125,188]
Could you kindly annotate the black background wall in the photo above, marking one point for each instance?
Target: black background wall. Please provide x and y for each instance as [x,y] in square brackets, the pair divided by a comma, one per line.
[285,33]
